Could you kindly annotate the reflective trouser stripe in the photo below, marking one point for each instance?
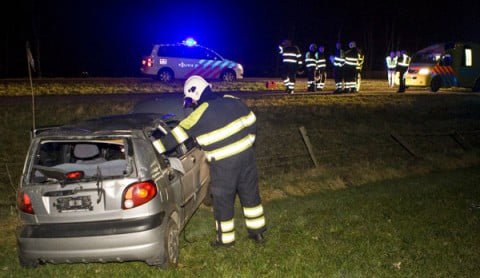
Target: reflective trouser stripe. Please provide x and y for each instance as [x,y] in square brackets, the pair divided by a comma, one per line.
[232,149]
[290,61]
[159,146]
[255,224]
[289,55]
[338,85]
[226,131]
[226,232]
[311,65]
[254,218]
[179,134]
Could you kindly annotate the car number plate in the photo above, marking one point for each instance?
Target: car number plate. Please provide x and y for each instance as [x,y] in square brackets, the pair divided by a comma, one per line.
[79,203]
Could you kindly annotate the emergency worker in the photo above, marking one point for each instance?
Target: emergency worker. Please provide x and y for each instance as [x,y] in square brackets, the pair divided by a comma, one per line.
[358,76]
[225,128]
[391,62]
[321,68]
[402,67]
[311,66]
[350,68]
[338,60]
[291,62]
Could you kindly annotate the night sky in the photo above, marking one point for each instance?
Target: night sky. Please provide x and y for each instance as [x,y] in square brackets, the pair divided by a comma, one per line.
[109,38]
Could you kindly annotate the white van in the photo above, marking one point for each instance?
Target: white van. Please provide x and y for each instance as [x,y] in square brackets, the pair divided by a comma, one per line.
[182,60]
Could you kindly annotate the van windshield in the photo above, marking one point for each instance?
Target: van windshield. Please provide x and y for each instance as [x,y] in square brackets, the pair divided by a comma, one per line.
[105,158]
[426,58]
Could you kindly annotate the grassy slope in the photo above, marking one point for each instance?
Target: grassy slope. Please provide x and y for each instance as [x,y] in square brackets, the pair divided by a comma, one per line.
[416,226]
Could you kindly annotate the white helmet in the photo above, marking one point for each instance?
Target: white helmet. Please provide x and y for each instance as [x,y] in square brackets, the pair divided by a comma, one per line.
[194,87]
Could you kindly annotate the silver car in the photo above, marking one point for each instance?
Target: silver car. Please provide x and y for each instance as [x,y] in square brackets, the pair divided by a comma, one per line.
[97,191]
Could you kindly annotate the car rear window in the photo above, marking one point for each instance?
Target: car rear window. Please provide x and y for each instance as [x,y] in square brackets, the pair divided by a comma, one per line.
[101,158]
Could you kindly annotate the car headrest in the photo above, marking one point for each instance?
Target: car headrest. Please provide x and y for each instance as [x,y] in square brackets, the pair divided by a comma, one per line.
[85,151]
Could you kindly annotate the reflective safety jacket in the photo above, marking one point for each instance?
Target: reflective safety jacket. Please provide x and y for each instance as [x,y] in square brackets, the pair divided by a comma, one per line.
[338,59]
[310,60]
[403,61]
[321,61]
[391,62]
[222,126]
[361,60]
[351,57]
[290,55]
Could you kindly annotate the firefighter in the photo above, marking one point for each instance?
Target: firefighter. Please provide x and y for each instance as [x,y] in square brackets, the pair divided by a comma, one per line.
[311,66]
[321,68]
[358,76]
[338,61]
[225,128]
[402,67]
[350,68]
[291,62]
[391,62]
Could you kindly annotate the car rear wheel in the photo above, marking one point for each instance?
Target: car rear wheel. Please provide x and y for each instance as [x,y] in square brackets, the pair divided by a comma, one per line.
[228,76]
[435,84]
[165,75]
[171,245]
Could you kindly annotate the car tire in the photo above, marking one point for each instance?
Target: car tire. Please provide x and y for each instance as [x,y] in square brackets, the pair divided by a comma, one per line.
[171,247]
[476,87]
[27,263]
[208,200]
[435,84]
[228,76]
[165,75]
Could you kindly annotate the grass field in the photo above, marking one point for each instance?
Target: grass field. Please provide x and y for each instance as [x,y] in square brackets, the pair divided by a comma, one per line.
[370,209]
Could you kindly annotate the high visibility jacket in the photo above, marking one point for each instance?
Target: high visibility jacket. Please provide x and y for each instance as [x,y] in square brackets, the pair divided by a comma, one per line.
[403,61]
[223,127]
[351,57]
[321,60]
[338,58]
[310,60]
[391,62]
[361,60]
[291,55]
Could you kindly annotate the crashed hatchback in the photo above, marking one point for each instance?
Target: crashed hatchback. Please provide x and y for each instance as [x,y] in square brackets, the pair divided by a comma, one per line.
[97,191]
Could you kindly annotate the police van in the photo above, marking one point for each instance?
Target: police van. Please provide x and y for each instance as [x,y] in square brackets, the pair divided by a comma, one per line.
[182,60]
[446,65]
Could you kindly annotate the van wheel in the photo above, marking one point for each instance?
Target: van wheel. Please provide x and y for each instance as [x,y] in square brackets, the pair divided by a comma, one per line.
[165,75]
[228,76]
[476,87]
[435,84]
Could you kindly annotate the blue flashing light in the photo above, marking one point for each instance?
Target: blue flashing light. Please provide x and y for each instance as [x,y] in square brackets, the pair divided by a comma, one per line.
[190,42]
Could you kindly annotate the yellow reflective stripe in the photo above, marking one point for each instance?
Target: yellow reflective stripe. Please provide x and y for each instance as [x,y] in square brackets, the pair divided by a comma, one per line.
[232,149]
[193,118]
[255,223]
[226,131]
[179,134]
[227,226]
[159,146]
[228,237]
[253,212]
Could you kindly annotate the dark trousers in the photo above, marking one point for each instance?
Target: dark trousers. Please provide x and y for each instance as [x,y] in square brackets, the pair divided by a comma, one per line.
[349,76]
[401,76]
[232,176]
[321,78]
[289,74]
[311,78]
[338,76]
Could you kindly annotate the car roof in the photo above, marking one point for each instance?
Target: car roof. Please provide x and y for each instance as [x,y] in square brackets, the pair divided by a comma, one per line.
[115,124]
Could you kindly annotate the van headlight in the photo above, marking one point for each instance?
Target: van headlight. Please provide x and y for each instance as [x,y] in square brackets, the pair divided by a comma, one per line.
[424,71]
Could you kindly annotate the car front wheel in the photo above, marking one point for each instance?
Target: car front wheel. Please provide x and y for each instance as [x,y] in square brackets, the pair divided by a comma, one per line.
[228,76]
[435,84]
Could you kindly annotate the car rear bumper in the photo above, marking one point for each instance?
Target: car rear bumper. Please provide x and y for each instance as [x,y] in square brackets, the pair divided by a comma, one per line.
[119,243]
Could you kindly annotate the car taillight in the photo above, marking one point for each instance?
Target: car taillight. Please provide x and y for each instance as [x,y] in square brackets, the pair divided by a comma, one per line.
[138,194]
[147,62]
[24,203]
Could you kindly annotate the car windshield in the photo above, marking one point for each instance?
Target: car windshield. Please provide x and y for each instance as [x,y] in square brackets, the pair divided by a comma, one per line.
[90,159]
[426,58]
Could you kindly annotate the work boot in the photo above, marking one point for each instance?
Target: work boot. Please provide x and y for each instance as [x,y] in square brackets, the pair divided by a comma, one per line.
[258,238]
[216,244]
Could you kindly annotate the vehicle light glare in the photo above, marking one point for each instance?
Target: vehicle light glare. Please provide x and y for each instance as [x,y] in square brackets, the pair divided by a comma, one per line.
[190,42]
[424,71]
